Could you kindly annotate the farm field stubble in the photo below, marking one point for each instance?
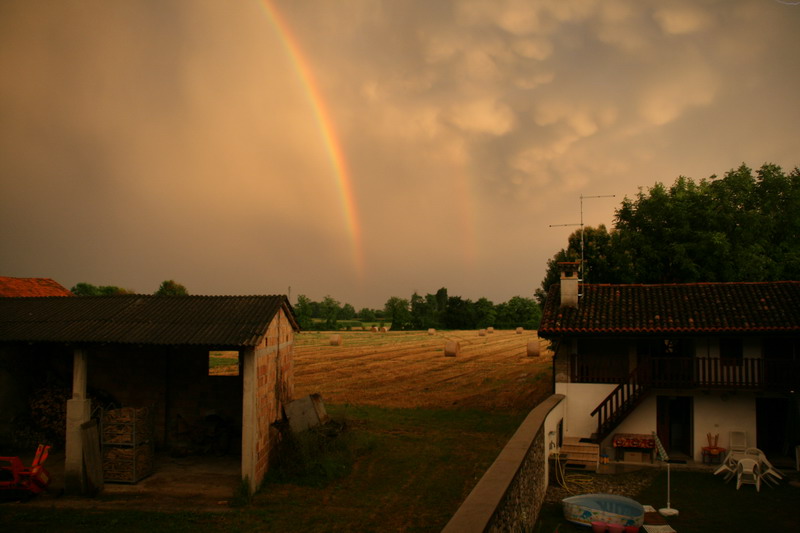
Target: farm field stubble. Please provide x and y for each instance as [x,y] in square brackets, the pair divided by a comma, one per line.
[408,369]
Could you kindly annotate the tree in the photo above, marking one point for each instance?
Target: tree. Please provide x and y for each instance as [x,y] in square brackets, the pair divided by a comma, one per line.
[348,312]
[519,312]
[87,289]
[741,227]
[484,313]
[330,311]
[171,288]
[303,312]
[367,315]
[398,313]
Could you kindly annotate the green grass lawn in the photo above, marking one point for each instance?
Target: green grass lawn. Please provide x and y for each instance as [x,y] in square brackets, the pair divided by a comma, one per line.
[706,504]
[388,470]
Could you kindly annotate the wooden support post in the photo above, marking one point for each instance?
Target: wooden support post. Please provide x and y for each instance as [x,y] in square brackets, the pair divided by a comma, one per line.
[79,411]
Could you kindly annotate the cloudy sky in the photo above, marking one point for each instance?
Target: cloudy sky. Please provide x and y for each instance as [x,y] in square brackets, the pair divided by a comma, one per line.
[363,148]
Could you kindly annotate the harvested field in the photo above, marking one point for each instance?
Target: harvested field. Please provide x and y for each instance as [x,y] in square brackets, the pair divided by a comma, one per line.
[409,369]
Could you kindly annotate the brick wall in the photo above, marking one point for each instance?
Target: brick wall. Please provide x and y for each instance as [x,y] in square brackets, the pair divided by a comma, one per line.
[274,387]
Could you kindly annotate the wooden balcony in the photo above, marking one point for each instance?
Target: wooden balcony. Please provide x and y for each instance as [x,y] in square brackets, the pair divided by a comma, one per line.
[779,375]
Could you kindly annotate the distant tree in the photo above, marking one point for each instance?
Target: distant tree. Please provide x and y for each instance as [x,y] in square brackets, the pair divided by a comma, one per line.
[171,288]
[348,312]
[330,309]
[367,315]
[303,312]
[397,311]
[484,313]
[87,289]
[519,312]
[459,314]
[420,312]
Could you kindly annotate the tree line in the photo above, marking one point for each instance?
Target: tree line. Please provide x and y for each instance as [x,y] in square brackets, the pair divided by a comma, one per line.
[744,226]
[167,288]
[419,312]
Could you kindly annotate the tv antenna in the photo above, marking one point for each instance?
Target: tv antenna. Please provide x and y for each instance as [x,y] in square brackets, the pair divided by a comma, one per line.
[581,225]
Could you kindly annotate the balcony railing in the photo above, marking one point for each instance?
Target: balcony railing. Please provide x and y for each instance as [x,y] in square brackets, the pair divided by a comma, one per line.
[695,372]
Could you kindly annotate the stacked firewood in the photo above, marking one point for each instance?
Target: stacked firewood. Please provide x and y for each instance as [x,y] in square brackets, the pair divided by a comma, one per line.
[127,444]
[128,425]
[127,465]
[49,412]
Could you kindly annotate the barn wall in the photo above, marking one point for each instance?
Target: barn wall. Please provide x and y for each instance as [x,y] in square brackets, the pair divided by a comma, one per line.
[274,388]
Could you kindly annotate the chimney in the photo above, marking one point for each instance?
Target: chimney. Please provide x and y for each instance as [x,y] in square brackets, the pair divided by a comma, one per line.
[569,283]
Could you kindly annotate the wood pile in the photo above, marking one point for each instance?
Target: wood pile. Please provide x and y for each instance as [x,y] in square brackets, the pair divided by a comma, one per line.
[127,464]
[128,425]
[127,444]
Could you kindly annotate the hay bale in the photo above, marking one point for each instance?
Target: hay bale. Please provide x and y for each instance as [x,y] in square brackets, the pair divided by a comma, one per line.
[533,348]
[490,330]
[336,340]
[481,332]
[520,330]
[374,329]
[452,348]
[384,329]
[431,331]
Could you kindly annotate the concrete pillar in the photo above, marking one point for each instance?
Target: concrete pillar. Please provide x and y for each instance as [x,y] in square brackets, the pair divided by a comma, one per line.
[79,410]
[249,418]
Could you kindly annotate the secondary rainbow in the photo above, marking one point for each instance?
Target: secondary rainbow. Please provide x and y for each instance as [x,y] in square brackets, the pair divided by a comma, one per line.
[327,130]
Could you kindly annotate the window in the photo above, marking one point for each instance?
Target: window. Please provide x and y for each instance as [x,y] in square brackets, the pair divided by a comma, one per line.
[223,363]
[730,352]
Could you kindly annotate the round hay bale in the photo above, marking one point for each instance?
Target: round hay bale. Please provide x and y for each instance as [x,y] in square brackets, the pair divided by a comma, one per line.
[431,331]
[452,348]
[520,330]
[482,332]
[374,329]
[384,329]
[336,340]
[533,348]
[490,330]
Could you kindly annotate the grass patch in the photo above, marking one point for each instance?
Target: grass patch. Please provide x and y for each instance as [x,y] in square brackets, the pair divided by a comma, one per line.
[387,470]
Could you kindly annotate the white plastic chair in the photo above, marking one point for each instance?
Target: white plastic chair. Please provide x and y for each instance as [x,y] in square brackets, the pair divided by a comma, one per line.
[737,441]
[747,473]
[764,465]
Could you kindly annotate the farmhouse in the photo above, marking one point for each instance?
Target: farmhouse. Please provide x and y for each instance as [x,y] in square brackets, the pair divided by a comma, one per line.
[680,360]
[152,353]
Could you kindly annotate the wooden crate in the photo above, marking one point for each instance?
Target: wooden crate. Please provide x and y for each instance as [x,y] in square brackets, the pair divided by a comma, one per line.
[127,464]
[128,425]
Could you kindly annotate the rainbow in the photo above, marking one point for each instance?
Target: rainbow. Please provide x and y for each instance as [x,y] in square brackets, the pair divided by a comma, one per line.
[323,118]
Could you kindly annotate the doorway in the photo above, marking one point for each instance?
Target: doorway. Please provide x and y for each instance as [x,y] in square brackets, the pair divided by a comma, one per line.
[674,424]
[772,422]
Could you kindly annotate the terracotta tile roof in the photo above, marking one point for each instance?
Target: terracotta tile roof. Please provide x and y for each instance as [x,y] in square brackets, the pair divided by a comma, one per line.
[693,308]
[141,319]
[31,287]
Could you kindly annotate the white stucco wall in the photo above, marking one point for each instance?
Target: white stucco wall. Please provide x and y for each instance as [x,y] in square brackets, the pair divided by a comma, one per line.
[556,415]
[581,400]
[723,413]
[713,413]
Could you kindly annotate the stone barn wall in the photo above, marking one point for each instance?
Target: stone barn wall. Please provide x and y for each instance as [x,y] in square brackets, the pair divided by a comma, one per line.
[274,387]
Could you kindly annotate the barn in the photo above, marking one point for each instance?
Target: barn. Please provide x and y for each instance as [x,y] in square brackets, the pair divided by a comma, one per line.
[153,353]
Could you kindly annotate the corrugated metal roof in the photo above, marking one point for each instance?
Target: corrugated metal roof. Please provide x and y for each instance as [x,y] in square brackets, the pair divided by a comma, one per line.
[31,287]
[691,308]
[141,319]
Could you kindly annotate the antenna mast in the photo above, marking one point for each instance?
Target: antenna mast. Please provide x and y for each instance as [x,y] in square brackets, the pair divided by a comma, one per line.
[581,225]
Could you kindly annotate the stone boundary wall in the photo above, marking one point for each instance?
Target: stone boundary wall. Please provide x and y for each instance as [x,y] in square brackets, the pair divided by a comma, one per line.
[509,495]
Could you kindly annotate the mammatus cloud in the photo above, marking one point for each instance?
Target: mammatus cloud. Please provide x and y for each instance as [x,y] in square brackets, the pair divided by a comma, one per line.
[176,140]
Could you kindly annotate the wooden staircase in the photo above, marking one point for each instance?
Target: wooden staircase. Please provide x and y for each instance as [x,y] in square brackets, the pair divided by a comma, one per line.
[577,454]
[621,402]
